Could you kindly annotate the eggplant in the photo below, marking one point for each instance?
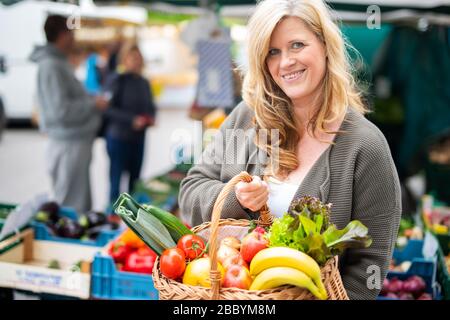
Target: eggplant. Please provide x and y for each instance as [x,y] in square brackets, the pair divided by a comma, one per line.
[52,210]
[42,216]
[68,228]
[92,219]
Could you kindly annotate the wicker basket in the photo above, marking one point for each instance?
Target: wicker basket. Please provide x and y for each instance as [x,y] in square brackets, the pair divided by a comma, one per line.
[220,228]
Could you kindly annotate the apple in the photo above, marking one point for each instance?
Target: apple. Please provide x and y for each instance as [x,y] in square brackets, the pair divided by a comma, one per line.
[231,242]
[232,260]
[225,252]
[237,276]
[252,243]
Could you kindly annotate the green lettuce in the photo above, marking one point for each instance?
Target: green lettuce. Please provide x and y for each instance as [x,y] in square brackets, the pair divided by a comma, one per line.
[307,228]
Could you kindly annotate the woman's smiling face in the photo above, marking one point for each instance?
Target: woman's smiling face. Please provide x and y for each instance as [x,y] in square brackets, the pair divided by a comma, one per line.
[296,60]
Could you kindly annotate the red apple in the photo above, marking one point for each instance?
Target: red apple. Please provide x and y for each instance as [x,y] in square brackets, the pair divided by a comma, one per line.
[237,276]
[232,260]
[252,243]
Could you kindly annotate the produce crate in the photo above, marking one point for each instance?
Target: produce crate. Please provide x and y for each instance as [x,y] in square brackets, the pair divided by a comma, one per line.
[42,232]
[426,268]
[26,266]
[109,283]
[5,209]
[443,274]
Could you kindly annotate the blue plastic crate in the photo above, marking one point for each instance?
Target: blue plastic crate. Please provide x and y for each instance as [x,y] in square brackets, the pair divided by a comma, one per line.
[426,268]
[109,283]
[42,232]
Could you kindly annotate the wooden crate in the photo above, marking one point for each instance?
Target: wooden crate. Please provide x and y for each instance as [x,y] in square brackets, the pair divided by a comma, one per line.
[24,266]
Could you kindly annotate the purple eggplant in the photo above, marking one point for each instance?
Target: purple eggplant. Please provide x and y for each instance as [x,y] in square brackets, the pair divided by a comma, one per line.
[48,212]
[68,228]
[92,219]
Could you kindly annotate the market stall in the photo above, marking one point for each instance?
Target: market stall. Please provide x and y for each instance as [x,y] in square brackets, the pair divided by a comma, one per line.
[140,249]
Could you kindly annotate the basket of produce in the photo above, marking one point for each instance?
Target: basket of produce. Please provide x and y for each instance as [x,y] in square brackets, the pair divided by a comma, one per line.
[268,259]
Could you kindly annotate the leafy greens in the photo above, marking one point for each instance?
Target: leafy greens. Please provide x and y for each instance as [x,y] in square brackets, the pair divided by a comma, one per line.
[306,227]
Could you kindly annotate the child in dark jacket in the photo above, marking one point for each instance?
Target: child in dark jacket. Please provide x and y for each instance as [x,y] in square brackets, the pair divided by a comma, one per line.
[132,111]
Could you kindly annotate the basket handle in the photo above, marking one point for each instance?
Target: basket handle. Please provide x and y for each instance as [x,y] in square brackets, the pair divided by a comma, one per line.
[265,218]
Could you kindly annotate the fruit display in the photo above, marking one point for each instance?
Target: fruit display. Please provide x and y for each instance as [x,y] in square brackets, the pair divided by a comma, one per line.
[408,230]
[436,215]
[402,267]
[131,254]
[86,227]
[413,288]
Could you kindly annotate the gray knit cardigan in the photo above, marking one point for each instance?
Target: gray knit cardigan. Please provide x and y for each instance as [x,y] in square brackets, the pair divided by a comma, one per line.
[356,174]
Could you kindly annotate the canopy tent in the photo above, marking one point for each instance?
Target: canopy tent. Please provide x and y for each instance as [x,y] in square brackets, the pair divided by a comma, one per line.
[435,6]
[438,11]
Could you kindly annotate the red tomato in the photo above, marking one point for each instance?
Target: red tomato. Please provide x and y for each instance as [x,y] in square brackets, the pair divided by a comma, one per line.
[172,263]
[192,245]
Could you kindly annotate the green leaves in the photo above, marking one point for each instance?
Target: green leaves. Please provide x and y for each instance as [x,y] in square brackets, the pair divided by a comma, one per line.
[312,208]
[307,228]
[354,235]
[308,225]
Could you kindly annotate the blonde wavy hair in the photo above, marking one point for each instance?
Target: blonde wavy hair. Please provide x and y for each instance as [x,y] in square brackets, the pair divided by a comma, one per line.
[273,109]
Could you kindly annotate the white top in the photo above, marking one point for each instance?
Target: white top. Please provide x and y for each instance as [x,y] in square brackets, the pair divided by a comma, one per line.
[280,196]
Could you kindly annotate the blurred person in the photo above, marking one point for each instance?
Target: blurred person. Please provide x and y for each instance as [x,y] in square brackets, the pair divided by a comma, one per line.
[68,115]
[132,111]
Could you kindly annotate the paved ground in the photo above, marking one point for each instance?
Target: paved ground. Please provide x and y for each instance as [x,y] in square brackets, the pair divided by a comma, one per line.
[23,163]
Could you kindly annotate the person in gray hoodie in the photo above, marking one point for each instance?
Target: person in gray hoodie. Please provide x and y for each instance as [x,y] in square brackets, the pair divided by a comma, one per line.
[68,115]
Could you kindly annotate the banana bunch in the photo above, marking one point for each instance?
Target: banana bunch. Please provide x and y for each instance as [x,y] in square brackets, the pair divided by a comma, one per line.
[277,266]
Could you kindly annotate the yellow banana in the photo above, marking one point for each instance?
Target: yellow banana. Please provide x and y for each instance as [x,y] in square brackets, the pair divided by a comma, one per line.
[287,257]
[279,276]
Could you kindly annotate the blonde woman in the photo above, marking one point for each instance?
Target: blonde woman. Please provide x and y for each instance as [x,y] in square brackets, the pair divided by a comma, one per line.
[299,83]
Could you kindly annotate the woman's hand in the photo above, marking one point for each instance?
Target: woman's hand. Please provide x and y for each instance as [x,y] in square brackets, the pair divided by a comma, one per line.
[252,195]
